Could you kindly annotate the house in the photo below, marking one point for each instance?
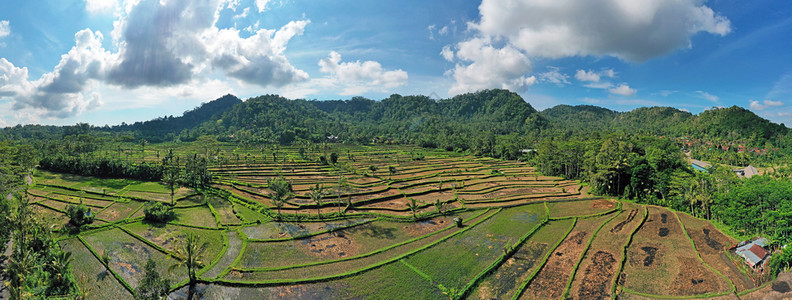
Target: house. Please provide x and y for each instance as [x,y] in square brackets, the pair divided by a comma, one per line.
[753,252]
[748,172]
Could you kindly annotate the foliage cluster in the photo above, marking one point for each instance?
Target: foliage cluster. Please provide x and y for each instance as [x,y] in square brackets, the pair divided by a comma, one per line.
[158,212]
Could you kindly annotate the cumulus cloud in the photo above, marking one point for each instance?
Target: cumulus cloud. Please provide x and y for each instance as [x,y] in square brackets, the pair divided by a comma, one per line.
[633,31]
[160,44]
[707,96]
[5,28]
[62,92]
[755,105]
[483,66]
[13,80]
[359,77]
[262,5]
[258,59]
[630,30]
[100,6]
[623,90]
[554,76]
[447,53]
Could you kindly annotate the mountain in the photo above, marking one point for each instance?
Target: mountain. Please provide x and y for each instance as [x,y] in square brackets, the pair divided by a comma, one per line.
[580,118]
[736,123]
[157,129]
[654,121]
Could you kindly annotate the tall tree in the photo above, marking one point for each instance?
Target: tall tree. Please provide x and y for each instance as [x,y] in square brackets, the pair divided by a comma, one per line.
[190,254]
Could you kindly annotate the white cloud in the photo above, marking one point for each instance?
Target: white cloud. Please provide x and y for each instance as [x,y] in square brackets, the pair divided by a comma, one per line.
[484,66]
[599,85]
[707,96]
[443,31]
[258,59]
[554,76]
[630,30]
[262,5]
[447,53]
[755,105]
[359,77]
[13,80]
[784,114]
[65,91]
[5,28]
[431,29]
[161,44]
[100,6]
[623,89]
[589,75]
[773,103]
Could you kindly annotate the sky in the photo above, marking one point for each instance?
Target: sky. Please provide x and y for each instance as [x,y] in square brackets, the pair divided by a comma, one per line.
[113,61]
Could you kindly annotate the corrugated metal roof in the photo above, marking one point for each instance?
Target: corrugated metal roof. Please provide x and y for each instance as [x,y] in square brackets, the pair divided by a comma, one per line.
[752,252]
[762,242]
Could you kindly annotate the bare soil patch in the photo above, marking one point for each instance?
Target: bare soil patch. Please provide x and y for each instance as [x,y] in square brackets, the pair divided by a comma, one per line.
[644,255]
[621,224]
[650,255]
[694,278]
[426,227]
[602,204]
[597,277]
[508,276]
[551,280]
[663,231]
[710,241]
[330,246]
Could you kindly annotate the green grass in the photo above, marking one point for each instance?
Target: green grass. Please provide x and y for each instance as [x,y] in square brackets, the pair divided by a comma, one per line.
[343,243]
[454,262]
[196,216]
[224,209]
[91,276]
[168,236]
[504,282]
[119,210]
[248,215]
[128,256]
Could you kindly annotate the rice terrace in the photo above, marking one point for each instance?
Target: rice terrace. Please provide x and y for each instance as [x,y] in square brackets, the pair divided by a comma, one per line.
[389,222]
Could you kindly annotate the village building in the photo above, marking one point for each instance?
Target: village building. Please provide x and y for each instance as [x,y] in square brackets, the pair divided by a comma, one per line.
[755,252]
[747,172]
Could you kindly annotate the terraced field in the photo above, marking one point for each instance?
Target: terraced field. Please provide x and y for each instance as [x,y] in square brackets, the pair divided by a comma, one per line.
[385,229]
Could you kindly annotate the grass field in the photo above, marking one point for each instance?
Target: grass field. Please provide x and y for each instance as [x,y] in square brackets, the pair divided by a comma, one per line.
[523,234]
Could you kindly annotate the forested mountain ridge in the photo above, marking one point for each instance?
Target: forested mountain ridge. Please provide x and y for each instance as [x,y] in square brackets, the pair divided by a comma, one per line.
[476,121]
[157,128]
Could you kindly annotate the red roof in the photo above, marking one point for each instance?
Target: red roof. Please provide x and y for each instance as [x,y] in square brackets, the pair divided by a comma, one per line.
[758,250]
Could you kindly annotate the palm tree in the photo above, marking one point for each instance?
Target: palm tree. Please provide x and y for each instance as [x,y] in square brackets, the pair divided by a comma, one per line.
[340,187]
[316,194]
[58,267]
[171,178]
[19,267]
[413,206]
[281,192]
[191,253]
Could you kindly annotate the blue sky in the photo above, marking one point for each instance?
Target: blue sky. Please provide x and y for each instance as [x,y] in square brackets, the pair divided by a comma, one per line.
[113,61]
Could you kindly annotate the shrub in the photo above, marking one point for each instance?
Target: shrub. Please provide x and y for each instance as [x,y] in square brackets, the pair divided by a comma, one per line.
[152,286]
[79,215]
[158,212]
